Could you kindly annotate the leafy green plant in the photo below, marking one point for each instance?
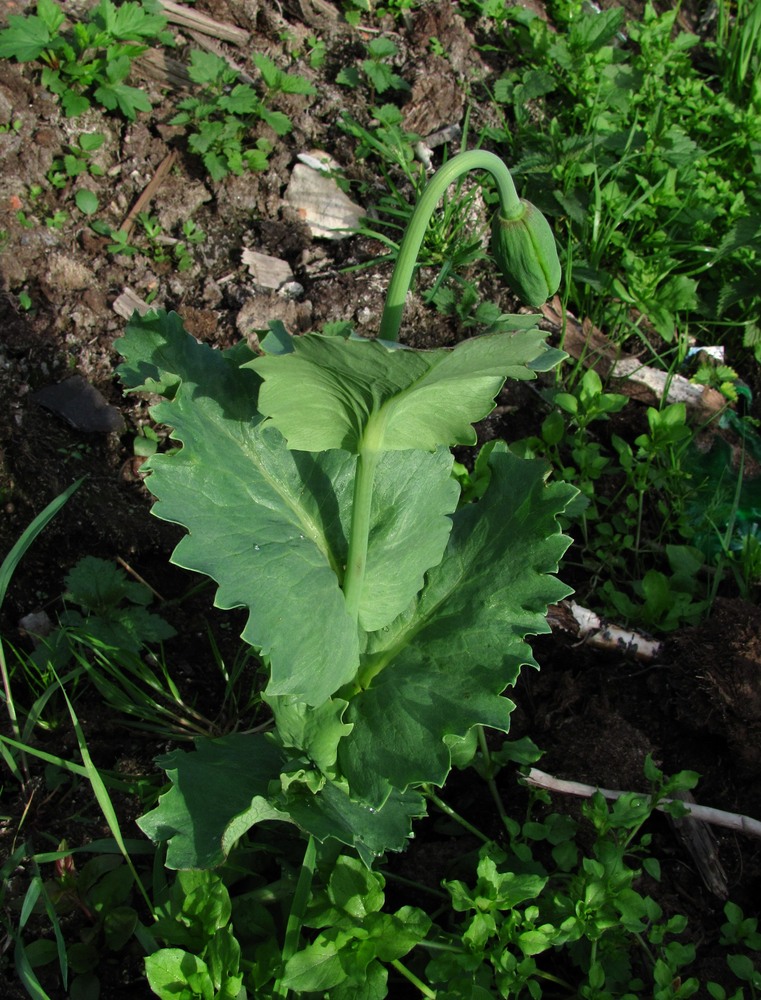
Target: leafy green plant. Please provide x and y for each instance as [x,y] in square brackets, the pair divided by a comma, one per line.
[541,915]
[738,49]
[193,235]
[614,129]
[221,116]
[77,161]
[326,498]
[91,61]
[201,921]
[664,602]
[376,70]
[100,893]
[110,607]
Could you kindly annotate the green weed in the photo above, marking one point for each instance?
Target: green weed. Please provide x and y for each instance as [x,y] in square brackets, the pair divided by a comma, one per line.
[376,70]
[89,62]
[650,169]
[220,118]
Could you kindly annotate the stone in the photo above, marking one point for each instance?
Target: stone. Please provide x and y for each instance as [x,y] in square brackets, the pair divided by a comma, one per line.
[81,405]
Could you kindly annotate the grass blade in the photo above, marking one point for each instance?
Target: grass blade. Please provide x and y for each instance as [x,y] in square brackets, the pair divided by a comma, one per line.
[103,798]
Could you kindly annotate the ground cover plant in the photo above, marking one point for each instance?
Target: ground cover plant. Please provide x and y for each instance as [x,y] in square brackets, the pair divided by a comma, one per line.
[355,816]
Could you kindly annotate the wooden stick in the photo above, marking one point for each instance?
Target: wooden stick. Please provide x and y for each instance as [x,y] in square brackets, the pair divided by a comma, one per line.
[176,13]
[601,634]
[150,190]
[718,817]
[132,572]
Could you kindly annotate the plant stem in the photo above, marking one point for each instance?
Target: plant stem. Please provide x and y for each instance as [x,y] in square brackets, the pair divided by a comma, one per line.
[457,817]
[490,778]
[298,909]
[401,279]
[393,877]
[425,990]
[356,561]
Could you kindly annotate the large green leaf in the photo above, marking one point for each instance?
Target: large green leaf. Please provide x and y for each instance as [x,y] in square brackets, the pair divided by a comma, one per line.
[332,813]
[256,516]
[225,786]
[441,667]
[326,392]
[263,522]
[160,355]
[270,525]
[219,791]
[413,494]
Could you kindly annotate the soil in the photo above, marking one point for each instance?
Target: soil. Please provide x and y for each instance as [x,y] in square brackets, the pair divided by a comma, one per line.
[596,715]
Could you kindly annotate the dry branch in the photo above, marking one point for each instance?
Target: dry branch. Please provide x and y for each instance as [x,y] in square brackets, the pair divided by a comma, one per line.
[601,634]
[149,191]
[717,817]
[592,348]
[185,17]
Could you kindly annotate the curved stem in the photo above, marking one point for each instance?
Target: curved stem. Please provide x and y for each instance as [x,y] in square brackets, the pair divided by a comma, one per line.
[449,811]
[477,159]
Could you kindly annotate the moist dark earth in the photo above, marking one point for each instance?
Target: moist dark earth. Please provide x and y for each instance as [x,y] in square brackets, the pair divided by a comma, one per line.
[595,714]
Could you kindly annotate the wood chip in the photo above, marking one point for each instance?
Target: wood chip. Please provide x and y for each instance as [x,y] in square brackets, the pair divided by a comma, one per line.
[588,627]
[129,302]
[698,838]
[268,272]
[157,65]
[592,348]
[319,201]
[664,386]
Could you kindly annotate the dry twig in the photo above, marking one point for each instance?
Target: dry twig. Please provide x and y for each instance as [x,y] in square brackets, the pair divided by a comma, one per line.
[717,817]
[150,190]
[185,17]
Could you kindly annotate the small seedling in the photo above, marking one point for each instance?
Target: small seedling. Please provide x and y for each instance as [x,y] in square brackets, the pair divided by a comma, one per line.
[87,201]
[77,160]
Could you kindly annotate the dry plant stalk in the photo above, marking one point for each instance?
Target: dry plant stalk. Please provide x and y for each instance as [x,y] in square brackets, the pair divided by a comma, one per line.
[185,17]
[717,817]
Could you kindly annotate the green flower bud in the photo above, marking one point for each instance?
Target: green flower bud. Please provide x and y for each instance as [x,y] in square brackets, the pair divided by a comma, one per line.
[524,248]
